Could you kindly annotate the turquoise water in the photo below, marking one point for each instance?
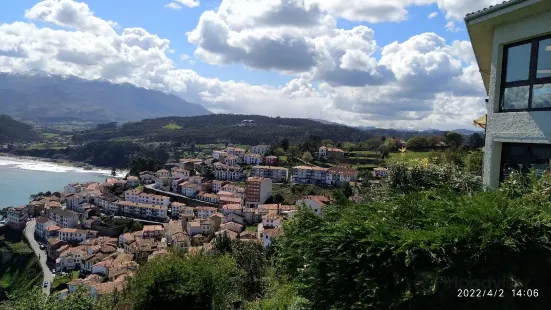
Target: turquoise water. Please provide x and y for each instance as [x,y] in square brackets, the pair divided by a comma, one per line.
[21,178]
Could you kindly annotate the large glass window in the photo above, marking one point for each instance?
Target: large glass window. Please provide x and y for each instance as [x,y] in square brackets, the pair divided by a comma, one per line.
[526,76]
[524,157]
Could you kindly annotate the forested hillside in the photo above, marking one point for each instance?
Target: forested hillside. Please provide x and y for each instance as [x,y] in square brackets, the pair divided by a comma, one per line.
[14,131]
[227,128]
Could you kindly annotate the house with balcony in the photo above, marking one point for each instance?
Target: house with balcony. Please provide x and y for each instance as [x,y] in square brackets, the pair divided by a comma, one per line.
[512,45]
[17,217]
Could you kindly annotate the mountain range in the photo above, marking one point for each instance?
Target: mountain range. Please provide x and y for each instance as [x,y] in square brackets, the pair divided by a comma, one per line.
[44,98]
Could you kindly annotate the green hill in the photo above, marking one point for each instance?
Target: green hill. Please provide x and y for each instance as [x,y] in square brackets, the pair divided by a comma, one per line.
[14,131]
[225,128]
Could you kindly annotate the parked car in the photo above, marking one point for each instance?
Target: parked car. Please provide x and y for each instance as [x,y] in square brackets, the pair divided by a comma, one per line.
[45,284]
[42,247]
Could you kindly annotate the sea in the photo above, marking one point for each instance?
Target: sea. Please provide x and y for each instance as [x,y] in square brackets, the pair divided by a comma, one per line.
[21,178]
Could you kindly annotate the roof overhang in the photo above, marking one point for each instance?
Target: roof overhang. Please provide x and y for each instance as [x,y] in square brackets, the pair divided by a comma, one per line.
[481,27]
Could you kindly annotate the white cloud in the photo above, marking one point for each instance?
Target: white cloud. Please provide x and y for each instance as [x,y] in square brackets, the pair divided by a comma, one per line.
[452,27]
[173,5]
[189,3]
[433,15]
[421,82]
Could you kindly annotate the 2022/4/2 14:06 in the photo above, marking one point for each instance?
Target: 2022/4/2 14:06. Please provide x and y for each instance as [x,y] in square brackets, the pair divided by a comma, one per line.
[497,293]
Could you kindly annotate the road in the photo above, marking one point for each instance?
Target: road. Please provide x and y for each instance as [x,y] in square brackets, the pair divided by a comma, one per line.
[48,276]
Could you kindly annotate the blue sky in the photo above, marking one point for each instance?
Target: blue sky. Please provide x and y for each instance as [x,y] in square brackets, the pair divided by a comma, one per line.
[305,79]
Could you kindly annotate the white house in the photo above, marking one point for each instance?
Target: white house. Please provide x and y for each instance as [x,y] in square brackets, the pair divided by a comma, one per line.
[252,159]
[316,203]
[72,188]
[341,173]
[232,160]
[163,173]
[132,181]
[188,189]
[205,212]
[17,217]
[76,235]
[63,218]
[42,224]
[512,46]
[272,220]
[260,149]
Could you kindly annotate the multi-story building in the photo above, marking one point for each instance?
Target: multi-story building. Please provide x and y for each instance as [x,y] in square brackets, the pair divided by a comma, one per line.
[139,197]
[235,151]
[219,154]
[330,153]
[145,211]
[72,188]
[179,173]
[237,191]
[341,173]
[17,217]
[147,177]
[132,181]
[188,189]
[258,190]
[105,200]
[63,218]
[252,159]
[228,173]
[163,173]
[207,197]
[204,212]
[217,185]
[260,149]
[232,160]
[73,235]
[511,43]
[42,224]
[163,183]
[197,179]
[310,175]
[153,231]
[277,174]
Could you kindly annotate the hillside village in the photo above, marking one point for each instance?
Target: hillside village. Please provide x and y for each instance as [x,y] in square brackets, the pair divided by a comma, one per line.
[185,206]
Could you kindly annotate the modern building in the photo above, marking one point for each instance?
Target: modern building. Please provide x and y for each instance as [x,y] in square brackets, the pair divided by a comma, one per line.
[512,45]
[341,173]
[277,174]
[310,175]
[258,190]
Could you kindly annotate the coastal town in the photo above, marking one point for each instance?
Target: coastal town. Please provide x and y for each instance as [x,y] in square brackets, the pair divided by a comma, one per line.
[184,206]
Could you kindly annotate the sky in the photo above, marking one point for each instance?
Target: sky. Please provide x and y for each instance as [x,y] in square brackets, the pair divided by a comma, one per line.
[384,63]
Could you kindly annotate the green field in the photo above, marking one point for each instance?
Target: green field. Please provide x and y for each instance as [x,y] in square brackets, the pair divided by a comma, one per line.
[409,155]
[172,126]
[50,135]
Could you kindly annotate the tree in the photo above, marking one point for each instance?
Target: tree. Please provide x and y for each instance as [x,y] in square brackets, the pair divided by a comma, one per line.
[284,144]
[307,157]
[347,190]
[373,143]
[434,141]
[392,144]
[416,143]
[383,151]
[453,139]
[279,151]
[328,143]
[294,151]
[476,141]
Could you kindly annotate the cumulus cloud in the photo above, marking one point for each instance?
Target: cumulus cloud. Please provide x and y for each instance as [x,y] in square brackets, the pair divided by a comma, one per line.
[433,15]
[336,74]
[173,6]
[452,27]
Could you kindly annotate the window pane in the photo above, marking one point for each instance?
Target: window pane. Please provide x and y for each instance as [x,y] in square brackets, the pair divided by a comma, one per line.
[518,62]
[516,98]
[544,59]
[542,96]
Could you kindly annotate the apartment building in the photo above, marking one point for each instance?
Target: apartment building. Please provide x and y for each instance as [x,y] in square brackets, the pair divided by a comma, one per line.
[310,175]
[140,197]
[73,235]
[140,210]
[228,173]
[340,174]
[217,185]
[277,174]
[261,149]
[204,212]
[512,45]
[17,217]
[258,190]
[63,218]
[252,159]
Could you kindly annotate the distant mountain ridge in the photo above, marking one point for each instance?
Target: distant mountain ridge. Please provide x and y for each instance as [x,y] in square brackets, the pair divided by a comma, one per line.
[45,98]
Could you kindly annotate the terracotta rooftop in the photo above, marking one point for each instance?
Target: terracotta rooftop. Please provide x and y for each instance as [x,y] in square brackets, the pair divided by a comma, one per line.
[232,207]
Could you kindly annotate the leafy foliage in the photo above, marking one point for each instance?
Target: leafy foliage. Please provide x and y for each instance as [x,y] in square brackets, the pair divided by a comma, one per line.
[417,143]
[14,131]
[453,139]
[417,250]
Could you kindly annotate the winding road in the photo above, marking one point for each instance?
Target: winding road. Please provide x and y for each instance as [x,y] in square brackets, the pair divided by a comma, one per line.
[48,275]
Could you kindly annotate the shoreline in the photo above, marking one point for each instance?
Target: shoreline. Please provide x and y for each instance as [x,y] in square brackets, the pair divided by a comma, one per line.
[64,163]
